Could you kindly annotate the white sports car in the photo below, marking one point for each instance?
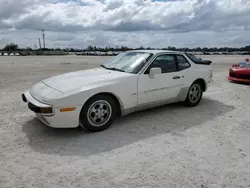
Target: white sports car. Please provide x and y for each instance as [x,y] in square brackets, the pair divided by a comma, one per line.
[131,81]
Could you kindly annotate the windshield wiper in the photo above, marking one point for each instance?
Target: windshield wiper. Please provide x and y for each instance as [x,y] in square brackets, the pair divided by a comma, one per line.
[115,69]
[104,66]
[112,68]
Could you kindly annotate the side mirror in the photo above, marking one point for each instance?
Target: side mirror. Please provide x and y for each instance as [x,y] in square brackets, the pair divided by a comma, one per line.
[154,71]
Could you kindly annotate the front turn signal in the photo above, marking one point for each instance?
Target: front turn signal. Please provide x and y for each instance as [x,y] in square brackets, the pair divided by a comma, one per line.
[70,109]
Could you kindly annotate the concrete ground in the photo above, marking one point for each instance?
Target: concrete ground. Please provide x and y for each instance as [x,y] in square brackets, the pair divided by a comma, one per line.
[170,146]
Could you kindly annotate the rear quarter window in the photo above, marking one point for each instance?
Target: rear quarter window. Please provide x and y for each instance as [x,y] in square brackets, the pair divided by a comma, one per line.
[182,62]
[194,58]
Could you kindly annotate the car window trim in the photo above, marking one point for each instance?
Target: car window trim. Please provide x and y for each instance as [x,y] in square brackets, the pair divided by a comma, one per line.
[178,62]
[160,54]
[145,64]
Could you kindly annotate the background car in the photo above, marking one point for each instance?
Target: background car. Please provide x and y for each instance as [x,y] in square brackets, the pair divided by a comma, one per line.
[129,82]
[240,72]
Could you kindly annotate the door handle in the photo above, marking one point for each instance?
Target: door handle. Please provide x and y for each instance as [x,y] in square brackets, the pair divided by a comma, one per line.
[176,77]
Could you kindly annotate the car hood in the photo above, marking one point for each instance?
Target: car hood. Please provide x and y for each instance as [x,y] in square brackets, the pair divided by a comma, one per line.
[74,80]
[44,93]
[242,70]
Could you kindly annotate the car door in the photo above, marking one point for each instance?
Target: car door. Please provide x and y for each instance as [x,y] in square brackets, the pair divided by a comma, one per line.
[163,87]
[184,68]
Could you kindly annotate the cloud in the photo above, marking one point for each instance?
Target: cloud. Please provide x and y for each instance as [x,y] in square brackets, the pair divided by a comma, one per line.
[110,19]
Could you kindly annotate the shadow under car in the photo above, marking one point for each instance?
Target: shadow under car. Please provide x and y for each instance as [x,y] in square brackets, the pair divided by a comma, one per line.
[172,118]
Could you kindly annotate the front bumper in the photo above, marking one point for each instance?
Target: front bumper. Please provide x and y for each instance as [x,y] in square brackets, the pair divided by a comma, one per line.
[238,79]
[55,119]
[36,106]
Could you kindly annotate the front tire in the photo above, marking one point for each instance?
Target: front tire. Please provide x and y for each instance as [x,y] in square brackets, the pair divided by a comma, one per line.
[194,95]
[98,113]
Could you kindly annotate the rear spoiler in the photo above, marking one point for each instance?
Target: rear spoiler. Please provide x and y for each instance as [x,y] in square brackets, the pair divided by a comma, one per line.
[204,62]
[200,61]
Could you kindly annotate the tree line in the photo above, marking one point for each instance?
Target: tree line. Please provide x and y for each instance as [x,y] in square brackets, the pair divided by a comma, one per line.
[11,47]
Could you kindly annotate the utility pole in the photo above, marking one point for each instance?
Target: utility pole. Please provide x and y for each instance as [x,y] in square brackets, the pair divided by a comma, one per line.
[39,43]
[43,38]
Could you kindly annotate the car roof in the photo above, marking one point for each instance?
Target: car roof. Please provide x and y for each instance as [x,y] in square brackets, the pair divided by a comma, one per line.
[155,52]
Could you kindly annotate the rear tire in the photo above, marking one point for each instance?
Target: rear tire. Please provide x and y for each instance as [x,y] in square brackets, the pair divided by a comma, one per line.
[194,95]
[98,113]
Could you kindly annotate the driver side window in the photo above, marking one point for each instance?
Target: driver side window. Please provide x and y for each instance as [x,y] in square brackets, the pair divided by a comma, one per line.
[165,62]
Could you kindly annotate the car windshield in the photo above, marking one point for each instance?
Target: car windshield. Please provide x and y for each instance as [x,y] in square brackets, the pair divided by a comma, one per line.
[194,58]
[245,64]
[129,62]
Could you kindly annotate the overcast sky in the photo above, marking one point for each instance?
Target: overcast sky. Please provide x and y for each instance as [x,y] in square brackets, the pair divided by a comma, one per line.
[150,23]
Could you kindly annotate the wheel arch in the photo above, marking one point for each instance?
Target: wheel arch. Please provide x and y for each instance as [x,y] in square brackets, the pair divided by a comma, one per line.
[202,82]
[182,95]
[117,100]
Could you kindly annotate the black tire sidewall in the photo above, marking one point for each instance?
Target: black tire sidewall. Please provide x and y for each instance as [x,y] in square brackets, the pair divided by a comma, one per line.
[188,102]
[83,115]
